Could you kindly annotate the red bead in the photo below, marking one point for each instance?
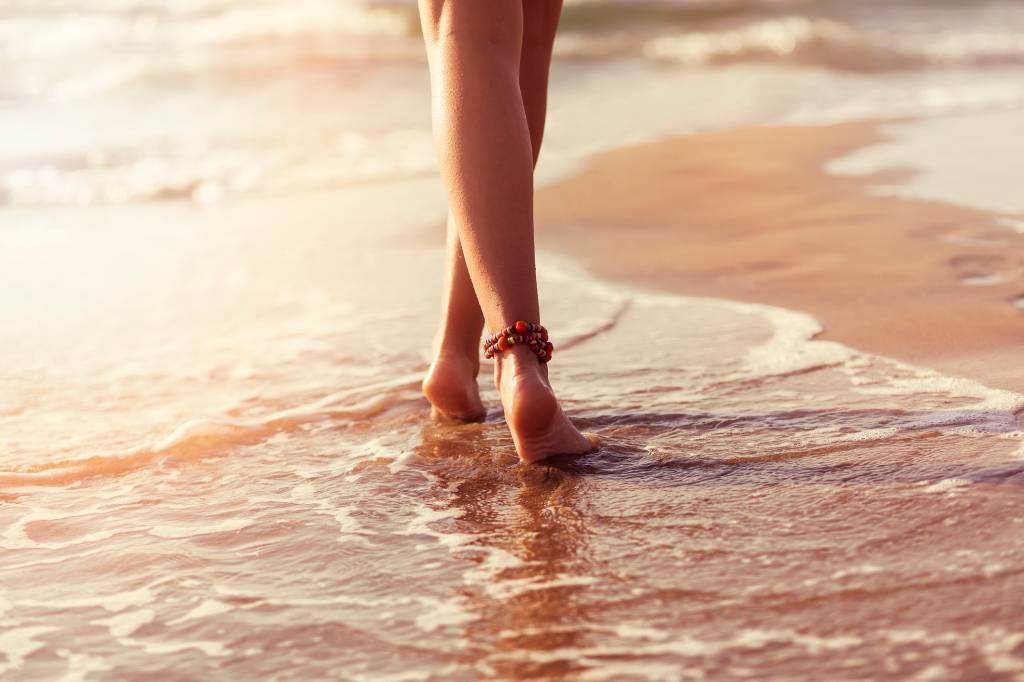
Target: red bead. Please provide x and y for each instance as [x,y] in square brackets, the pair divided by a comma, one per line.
[502,344]
[522,327]
[549,347]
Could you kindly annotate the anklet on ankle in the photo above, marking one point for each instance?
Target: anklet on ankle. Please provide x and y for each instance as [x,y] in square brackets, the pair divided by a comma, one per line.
[529,333]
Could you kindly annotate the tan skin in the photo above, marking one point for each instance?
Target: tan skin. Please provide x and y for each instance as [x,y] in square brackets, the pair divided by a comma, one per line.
[489,63]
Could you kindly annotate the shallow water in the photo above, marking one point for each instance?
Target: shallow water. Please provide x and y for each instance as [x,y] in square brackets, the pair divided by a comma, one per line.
[763,505]
[215,460]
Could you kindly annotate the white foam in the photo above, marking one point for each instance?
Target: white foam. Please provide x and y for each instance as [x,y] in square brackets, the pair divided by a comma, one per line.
[209,607]
[639,631]
[1015,224]
[441,614]
[932,673]
[224,526]
[125,624]
[16,537]
[995,645]
[1017,436]
[946,485]
[488,572]
[923,380]
[119,601]
[639,669]
[692,647]
[406,676]
[18,644]
[867,435]
[508,588]
[999,648]
[792,347]
[777,37]
[59,558]
[80,666]
[350,529]
[862,569]
[211,649]
[423,516]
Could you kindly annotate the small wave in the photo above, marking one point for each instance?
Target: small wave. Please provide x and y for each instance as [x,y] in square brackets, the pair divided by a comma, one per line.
[203,438]
[79,51]
[831,43]
[210,174]
[17,644]
[36,34]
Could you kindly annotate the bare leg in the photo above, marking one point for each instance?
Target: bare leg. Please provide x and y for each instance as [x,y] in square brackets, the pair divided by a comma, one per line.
[450,383]
[540,22]
[486,155]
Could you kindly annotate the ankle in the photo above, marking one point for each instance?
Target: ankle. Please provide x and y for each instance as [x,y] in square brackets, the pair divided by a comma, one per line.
[516,364]
[457,347]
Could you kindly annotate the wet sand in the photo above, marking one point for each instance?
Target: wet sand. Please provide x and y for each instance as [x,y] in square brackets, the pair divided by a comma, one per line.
[752,215]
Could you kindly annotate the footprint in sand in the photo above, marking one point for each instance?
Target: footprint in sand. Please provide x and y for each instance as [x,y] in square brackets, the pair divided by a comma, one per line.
[983,280]
[977,241]
[981,270]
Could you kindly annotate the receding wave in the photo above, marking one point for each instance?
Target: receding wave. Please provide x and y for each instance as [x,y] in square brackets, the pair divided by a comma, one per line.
[199,439]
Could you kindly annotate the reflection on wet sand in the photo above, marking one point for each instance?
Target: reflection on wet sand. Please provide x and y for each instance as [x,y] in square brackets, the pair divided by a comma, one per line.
[644,560]
[532,521]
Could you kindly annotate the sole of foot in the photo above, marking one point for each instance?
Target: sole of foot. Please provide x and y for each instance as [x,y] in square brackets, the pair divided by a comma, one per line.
[451,387]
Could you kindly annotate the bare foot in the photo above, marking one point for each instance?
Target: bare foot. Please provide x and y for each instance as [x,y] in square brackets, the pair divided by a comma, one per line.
[539,427]
[451,388]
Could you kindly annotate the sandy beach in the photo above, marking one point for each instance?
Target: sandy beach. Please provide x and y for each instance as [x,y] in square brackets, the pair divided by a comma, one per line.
[753,215]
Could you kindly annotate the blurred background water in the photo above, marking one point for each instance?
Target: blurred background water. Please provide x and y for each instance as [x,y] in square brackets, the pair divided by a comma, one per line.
[109,101]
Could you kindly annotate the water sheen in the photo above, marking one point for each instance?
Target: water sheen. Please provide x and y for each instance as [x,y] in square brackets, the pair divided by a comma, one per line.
[257,489]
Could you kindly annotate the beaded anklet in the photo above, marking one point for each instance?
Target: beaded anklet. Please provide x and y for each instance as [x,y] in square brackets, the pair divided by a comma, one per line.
[532,334]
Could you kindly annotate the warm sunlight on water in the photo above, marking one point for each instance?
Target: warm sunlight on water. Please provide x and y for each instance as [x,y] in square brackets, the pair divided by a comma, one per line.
[307,517]
[219,273]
